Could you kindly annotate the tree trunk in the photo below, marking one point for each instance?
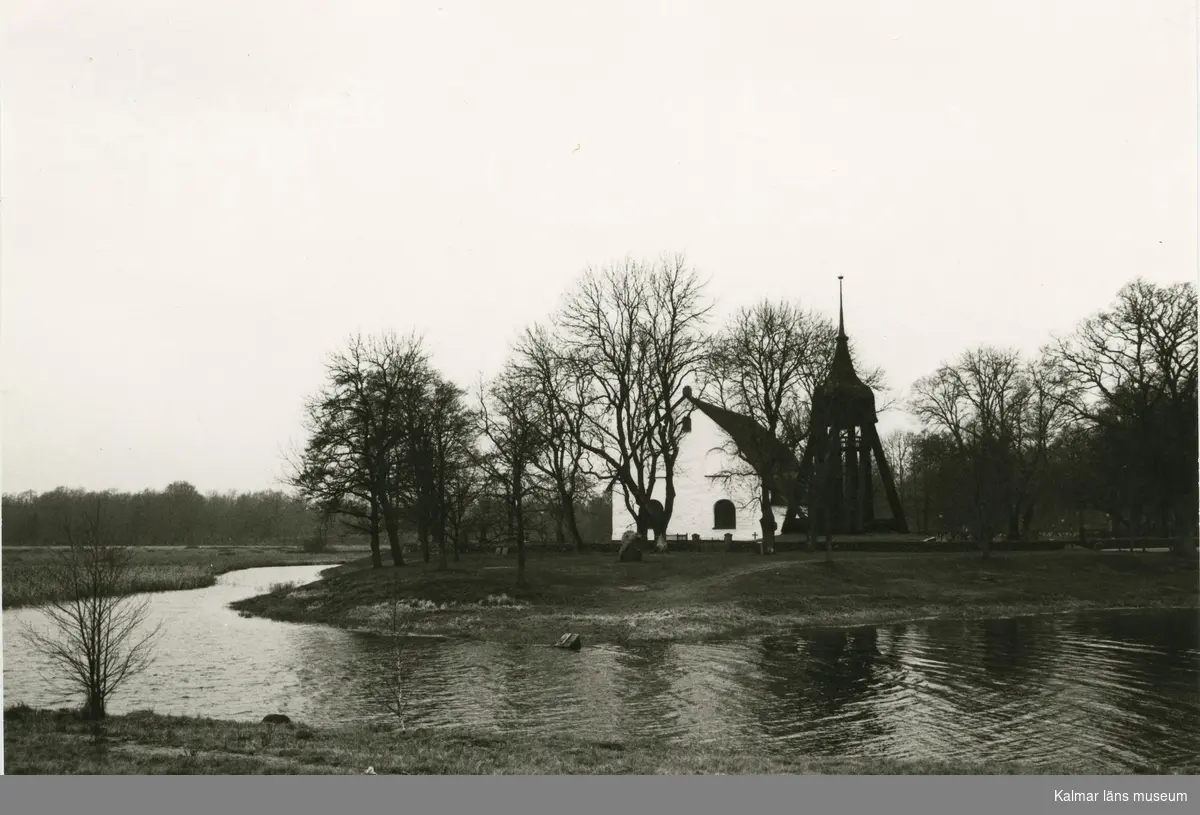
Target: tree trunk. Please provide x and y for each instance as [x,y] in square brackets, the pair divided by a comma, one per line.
[573,535]
[812,498]
[393,534]
[376,555]
[423,528]
[95,710]
[815,491]
[560,520]
[982,523]
[1027,522]
[985,534]
[520,547]
[664,520]
[442,519]
[1014,523]
[642,525]
[925,500]
[767,521]
[519,517]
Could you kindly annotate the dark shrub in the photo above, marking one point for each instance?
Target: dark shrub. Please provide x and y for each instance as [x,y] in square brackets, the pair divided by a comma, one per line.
[18,711]
[316,543]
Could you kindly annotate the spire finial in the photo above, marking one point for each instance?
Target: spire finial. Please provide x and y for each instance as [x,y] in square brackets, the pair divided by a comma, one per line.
[841,319]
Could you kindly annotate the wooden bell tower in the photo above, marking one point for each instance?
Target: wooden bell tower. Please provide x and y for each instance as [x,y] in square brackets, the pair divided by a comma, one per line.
[844,453]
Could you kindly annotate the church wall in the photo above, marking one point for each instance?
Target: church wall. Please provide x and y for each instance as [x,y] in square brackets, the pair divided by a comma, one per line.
[700,456]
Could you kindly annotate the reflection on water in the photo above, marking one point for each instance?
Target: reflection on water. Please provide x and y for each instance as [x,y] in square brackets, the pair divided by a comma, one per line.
[1117,690]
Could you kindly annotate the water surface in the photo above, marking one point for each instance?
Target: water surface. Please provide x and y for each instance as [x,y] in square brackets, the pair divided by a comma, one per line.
[1115,690]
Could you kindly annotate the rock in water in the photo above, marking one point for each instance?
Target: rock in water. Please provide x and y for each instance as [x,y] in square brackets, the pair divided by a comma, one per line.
[276,718]
[570,642]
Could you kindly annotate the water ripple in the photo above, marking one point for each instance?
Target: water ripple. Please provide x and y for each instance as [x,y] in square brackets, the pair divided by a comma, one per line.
[1115,690]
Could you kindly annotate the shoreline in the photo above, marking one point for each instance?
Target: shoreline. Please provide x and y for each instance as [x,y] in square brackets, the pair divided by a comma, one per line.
[44,742]
[608,623]
[731,599]
[452,630]
[801,626]
[161,570]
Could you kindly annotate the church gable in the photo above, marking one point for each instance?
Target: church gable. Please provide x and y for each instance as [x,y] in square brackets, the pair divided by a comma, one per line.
[704,452]
[716,490]
[753,449]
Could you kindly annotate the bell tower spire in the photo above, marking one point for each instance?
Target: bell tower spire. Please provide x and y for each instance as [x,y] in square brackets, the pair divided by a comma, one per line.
[841,317]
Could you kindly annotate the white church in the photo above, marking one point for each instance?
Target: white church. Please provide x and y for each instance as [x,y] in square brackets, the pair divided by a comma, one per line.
[716,490]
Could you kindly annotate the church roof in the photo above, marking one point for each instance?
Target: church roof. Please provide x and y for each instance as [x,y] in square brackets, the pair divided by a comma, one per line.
[773,460]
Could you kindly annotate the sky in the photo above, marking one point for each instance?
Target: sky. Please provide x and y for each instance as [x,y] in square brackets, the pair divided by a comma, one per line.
[199,202]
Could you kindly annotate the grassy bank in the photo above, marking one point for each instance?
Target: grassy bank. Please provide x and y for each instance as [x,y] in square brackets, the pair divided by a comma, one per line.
[43,742]
[703,596]
[159,568]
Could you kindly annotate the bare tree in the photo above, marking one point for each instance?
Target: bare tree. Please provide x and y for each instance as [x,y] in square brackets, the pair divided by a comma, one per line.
[633,334]
[974,401]
[508,423]
[451,438]
[98,635]
[359,431]
[389,690]
[1002,416]
[900,446]
[464,494]
[1133,371]
[559,401]
[1042,415]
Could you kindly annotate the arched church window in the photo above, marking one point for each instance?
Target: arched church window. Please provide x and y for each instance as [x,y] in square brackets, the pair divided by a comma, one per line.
[686,424]
[724,515]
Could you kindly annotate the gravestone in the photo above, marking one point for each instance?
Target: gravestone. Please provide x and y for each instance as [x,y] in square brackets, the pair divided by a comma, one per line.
[629,551]
[569,641]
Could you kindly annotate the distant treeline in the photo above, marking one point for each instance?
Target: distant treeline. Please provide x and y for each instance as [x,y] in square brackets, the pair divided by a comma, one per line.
[181,516]
[177,515]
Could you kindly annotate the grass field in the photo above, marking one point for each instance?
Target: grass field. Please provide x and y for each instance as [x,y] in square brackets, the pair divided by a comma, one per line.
[45,742]
[166,568]
[707,596]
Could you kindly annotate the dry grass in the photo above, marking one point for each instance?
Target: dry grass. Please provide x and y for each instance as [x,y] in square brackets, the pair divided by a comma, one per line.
[700,596]
[160,568]
[43,742]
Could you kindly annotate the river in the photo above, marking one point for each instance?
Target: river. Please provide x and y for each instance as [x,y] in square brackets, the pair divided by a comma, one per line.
[1117,690]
